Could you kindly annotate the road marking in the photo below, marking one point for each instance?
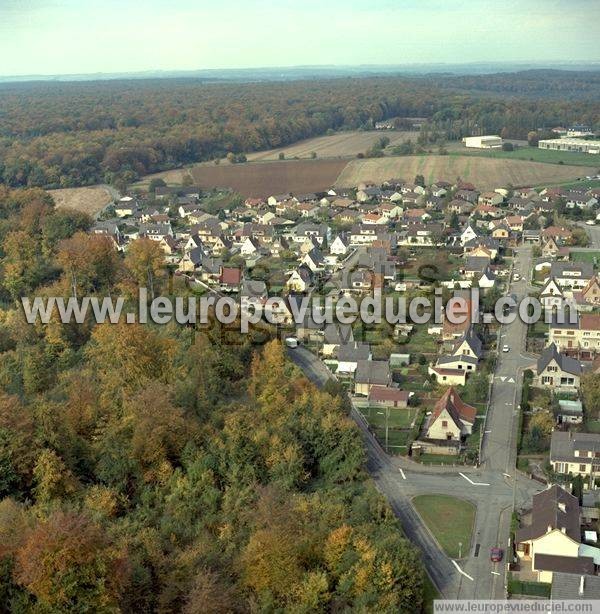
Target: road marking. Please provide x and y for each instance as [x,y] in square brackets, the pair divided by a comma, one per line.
[466,575]
[487,432]
[495,573]
[402,473]
[502,378]
[471,481]
[511,380]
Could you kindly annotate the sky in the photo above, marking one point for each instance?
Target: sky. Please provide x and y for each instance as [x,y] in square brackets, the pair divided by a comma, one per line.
[42,37]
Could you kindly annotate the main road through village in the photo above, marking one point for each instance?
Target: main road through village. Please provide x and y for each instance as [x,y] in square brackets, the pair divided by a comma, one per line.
[493,487]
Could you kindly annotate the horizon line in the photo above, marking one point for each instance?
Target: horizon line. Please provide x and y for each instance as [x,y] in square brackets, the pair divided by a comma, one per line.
[549,64]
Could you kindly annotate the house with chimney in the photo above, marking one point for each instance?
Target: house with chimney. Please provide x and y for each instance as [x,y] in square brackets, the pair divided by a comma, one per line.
[551,540]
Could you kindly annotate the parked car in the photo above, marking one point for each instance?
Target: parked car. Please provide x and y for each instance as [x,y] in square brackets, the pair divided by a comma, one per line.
[505,348]
[590,222]
[496,555]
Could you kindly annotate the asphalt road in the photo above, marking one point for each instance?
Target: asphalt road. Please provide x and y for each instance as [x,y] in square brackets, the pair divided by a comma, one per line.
[493,487]
[593,234]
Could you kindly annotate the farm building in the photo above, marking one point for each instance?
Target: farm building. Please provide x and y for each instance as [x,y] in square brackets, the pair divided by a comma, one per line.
[578,145]
[483,142]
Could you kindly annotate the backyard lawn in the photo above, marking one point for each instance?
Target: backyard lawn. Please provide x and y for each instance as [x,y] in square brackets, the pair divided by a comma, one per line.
[449,519]
[593,257]
[398,418]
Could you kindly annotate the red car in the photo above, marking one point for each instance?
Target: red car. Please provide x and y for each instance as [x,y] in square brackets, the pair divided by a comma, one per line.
[496,555]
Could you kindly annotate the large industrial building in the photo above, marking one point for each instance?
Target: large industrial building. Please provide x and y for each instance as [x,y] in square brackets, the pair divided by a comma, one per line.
[483,142]
[579,145]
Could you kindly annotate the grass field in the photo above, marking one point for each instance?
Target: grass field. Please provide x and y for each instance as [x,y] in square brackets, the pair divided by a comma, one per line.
[593,257]
[398,418]
[261,179]
[450,519]
[485,172]
[341,144]
[533,154]
[87,200]
[173,177]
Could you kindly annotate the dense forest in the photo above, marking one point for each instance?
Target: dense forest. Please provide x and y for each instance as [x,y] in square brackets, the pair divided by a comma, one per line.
[166,469]
[72,134]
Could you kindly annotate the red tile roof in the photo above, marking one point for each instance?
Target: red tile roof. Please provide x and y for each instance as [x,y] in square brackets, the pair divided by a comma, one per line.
[452,402]
[231,276]
[589,321]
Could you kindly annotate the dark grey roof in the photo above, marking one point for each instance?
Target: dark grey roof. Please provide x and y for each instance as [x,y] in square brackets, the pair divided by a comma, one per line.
[338,334]
[253,287]
[485,241]
[477,263]
[566,364]
[212,265]
[569,564]
[316,256]
[443,360]
[353,352]
[575,586]
[473,340]
[195,255]
[585,270]
[372,372]
[555,508]
[564,443]
[310,227]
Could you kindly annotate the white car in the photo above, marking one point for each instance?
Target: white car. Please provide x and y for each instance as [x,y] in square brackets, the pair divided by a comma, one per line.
[516,277]
[505,348]
[590,222]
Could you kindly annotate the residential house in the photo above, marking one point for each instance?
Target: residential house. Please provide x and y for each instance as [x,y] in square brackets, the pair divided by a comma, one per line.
[339,246]
[573,453]
[155,232]
[191,260]
[557,232]
[451,419]
[557,371]
[589,297]
[370,374]
[277,199]
[319,232]
[386,396]
[490,199]
[469,196]
[552,295]
[300,280]
[249,247]
[349,355]
[501,231]
[231,279]
[335,335]
[253,294]
[552,540]
[468,234]
[469,344]
[576,333]
[474,267]
[572,275]
[314,260]
[583,200]
[125,206]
